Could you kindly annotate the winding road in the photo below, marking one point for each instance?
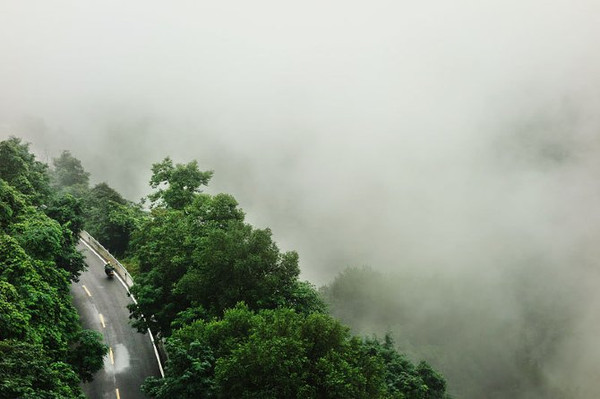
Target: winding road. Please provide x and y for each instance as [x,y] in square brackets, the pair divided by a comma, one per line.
[101,303]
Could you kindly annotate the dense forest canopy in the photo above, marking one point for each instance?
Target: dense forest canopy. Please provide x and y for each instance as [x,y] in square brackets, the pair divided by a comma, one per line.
[44,352]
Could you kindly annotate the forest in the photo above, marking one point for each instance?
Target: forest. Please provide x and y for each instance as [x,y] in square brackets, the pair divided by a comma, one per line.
[230,306]
[44,352]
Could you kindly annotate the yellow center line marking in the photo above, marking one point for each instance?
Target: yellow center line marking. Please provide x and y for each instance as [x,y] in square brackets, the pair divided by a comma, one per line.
[86,290]
[112,358]
[117,392]
[102,320]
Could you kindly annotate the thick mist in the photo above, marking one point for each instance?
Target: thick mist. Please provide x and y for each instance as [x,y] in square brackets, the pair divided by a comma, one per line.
[453,143]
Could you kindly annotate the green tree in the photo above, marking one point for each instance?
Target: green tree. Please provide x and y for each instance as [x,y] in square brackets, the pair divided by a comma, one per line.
[43,351]
[268,354]
[14,318]
[177,184]
[206,256]
[20,169]
[402,378]
[37,322]
[86,353]
[68,211]
[110,218]
[69,175]
[435,382]
[40,236]
[26,371]
[235,264]
[45,239]
[12,204]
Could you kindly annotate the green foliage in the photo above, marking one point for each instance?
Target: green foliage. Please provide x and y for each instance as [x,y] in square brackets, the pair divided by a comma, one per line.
[86,353]
[110,218]
[45,239]
[14,318]
[305,298]
[39,235]
[68,211]
[178,183]
[435,382]
[39,321]
[12,204]
[26,371]
[206,256]
[69,259]
[402,378]
[189,375]
[68,175]
[19,168]
[42,293]
[42,346]
[238,263]
[281,353]
[270,354]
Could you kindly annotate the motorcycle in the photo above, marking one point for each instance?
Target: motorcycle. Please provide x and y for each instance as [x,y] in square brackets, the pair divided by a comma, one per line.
[109,270]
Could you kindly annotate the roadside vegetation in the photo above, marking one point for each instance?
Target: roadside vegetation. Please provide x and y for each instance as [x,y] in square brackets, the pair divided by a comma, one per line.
[44,352]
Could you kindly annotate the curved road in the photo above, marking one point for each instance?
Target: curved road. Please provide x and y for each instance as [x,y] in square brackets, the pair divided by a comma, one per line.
[101,303]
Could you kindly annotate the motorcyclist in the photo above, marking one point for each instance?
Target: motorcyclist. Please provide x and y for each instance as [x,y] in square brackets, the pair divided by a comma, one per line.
[109,269]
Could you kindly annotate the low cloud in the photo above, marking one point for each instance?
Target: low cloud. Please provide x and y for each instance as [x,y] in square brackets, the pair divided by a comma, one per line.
[454,143]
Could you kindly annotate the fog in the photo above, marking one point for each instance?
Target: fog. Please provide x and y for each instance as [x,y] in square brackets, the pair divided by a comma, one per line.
[454,142]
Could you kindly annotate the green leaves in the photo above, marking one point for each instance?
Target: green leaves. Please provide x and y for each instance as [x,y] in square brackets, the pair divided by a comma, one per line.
[269,354]
[235,264]
[177,185]
[68,211]
[110,218]
[86,353]
[19,168]
[206,256]
[43,351]
[68,174]
[39,235]
[12,204]
[13,316]
[37,324]
[28,372]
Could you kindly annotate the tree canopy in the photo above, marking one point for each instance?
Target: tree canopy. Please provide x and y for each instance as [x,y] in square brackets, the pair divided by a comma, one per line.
[69,175]
[177,184]
[44,352]
[20,169]
[110,218]
[236,318]
[207,257]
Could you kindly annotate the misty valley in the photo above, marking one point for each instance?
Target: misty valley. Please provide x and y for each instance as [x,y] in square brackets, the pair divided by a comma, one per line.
[316,199]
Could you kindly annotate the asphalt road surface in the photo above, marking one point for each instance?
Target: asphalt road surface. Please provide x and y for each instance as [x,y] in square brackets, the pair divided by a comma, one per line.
[101,303]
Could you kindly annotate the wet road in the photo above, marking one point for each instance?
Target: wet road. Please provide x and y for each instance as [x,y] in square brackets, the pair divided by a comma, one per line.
[101,303]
